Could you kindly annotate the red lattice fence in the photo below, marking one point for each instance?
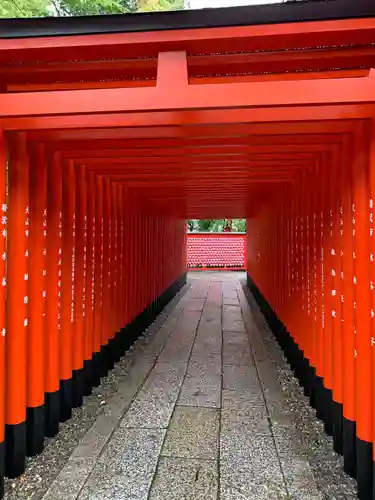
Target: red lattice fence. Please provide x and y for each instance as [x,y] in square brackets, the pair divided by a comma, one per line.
[216,250]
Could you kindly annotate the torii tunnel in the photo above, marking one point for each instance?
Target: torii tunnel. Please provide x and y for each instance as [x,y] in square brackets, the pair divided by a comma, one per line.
[116,129]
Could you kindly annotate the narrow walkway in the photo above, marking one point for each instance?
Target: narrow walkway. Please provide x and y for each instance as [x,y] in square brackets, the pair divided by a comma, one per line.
[206,408]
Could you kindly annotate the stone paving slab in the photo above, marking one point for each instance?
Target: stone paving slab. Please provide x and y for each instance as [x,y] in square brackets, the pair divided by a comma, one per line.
[185,479]
[127,467]
[203,411]
[154,404]
[193,433]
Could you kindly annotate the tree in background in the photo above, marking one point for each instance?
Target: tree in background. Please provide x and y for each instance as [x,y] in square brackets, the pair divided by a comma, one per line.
[216,226]
[24,8]
[42,8]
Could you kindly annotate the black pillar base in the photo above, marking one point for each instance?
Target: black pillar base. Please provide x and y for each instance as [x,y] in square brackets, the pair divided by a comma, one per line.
[364,469]
[78,387]
[349,447]
[321,398]
[51,413]
[87,376]
[66,399]
[104,360]
[96,363]
[337,417]
[15,449]
[117,351]
[328,419]
[2,466]
[34,430]
[312,392]
[111,353]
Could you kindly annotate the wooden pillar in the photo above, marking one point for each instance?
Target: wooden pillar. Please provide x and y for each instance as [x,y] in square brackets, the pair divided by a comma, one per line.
[98,311]
[17,306]
[67,292]
[37,300]
[3,288]
[79,379]
[91,270]
[53,299]
[362,298]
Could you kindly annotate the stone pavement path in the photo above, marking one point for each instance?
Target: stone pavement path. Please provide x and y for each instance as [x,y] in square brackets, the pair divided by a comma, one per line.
[203,413]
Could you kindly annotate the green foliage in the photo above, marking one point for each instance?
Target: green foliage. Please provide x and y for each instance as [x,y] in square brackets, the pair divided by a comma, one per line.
[24,8]
[159,5]
[216,226]
[40,8]
[92,7]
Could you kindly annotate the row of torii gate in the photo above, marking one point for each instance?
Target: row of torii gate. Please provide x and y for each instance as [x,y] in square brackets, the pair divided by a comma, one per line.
[116,129]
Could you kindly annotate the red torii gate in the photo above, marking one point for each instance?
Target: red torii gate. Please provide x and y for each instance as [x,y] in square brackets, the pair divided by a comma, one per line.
[116,129]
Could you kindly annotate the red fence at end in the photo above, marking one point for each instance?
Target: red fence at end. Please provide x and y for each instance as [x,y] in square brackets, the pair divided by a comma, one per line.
[216,250]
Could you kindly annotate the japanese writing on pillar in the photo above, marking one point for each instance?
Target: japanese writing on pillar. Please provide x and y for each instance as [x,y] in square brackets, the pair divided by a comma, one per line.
[93,265]
[354,277]
[342,255]
[4,224]
[308,267]
[302,263]
[371,216]
[297,249]
[109,252]
[84,265]
[59,273]
[333,269]
[44,270]
[288,229]
[322,261]
[26,275]
[101,259]
[73,269]
[116,236]
[315,262]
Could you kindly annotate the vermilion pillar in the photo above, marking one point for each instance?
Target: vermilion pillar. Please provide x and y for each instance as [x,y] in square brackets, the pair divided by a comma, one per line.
[67,292]
[37,227]
[91,274]
[348,324]
[372,267]
[17,305]
[98,301]
[53,292]
[106,291]
[79,284]
[3,286]
[363,391]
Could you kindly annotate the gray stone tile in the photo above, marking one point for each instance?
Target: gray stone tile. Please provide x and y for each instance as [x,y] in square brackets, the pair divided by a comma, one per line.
[96,438]
[254,423]
[206,393]
[69,482]
[194,304]
[246,400]
[243,443]
[154,405]
[126,468]
[193,433]
[249,482]
[300,480]
[199,355]
[207,346]
[231,301]
[240,378]
[202,368]
[237,352]
[233,324]
[184,479]
[176,352]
